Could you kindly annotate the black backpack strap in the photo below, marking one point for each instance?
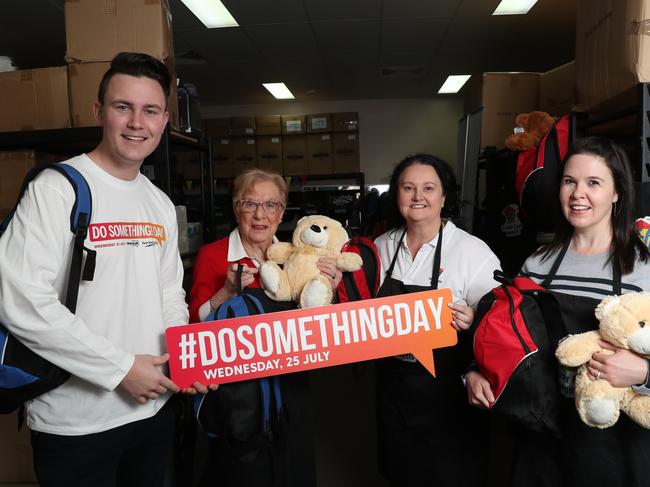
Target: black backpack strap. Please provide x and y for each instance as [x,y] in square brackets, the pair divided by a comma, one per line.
[556,264]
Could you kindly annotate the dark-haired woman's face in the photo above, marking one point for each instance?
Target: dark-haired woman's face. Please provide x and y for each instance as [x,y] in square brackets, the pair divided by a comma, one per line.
[420,195]
[587,193]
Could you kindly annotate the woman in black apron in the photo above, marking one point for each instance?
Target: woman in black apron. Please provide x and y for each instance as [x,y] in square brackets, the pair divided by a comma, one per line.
[595,253]
[427,432]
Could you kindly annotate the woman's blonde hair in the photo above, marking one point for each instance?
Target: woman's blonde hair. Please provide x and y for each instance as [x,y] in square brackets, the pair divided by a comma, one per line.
[249,178]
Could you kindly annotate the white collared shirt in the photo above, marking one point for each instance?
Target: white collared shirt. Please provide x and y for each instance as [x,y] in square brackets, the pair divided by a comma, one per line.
[236,252]
[467,263]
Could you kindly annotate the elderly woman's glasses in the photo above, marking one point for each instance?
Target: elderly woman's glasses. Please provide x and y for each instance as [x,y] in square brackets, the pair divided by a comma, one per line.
[250,206]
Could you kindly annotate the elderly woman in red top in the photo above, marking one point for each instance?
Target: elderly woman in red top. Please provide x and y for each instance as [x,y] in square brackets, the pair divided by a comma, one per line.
[259,200]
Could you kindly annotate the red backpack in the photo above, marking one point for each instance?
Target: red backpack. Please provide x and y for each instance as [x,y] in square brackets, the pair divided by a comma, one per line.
[519,326]
[364,283]
[538,175]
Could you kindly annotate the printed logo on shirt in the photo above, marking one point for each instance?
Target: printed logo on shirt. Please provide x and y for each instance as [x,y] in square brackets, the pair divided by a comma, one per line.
[126,233]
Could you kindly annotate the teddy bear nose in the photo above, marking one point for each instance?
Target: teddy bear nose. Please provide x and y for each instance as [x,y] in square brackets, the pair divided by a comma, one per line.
[641,324]
[315,228]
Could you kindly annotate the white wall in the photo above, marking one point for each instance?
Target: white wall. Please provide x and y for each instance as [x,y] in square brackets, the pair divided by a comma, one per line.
[388,129]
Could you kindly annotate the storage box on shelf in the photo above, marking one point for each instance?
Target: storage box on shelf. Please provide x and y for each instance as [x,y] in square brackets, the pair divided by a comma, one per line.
[34,99]
[293,124]
[14,165]
[268,125]
[269,153]
[294,155]
[612,49]
[244,153]
[320,160]
[96,30]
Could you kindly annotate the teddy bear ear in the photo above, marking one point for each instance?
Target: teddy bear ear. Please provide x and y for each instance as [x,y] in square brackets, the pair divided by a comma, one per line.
[606,306]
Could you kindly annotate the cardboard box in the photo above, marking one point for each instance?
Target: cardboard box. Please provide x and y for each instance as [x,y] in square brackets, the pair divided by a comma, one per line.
[16,465]
[557,90]
[14,165]
[293,124]
[612,49]
[321,160]
[244,153]
[96,30]
[501,96]
[319,123]
[84,82]
[294,155]
[346,153]
[345,122]
[217,127]
[268,125]
[269,153]
[34,99]
[222,157]
[242,126]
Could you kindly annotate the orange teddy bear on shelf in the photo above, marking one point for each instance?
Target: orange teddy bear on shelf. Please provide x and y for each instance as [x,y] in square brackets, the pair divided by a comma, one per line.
[531,129]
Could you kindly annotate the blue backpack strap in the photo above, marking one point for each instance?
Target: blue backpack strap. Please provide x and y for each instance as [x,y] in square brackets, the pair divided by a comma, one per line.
[234,308]
[80,217]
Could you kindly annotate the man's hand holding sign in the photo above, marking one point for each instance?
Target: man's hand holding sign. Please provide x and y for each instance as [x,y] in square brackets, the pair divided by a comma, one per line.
[237,349]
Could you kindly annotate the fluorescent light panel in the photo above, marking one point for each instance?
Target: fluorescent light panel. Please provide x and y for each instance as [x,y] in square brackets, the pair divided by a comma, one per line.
[514,7]
[212,13]
[279,91]
[454,83]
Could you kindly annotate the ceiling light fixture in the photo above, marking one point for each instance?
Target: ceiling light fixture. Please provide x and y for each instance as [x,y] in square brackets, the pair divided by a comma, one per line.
[212,13]
[514,7]
[453,84]
[279,91]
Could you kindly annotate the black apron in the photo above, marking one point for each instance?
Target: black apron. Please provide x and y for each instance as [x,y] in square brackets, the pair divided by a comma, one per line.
[427,432]
[585,457]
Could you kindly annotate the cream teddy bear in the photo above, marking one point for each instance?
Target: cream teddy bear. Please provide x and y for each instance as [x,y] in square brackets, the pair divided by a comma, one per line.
[300,280]
[623,321]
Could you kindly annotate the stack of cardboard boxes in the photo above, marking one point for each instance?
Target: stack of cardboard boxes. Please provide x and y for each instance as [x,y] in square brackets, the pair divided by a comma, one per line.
[502,96]
[321,143]
[62,97]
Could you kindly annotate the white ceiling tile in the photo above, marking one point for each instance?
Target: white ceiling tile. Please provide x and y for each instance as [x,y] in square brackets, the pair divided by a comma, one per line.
[348,38]
[329,10]
[417,9]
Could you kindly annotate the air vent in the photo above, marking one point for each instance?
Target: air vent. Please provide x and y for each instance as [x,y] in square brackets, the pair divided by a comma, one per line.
[402,71]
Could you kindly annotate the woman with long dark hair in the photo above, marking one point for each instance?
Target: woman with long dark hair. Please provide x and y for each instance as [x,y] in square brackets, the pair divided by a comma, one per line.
[427,432]
[596,252]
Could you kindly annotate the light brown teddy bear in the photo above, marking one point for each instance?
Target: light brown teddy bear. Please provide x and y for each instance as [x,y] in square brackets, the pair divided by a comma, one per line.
[531,129]
[300,280]
[623,322]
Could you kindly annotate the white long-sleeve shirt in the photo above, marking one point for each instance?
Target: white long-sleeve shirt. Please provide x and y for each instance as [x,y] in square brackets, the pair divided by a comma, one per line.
[136,292]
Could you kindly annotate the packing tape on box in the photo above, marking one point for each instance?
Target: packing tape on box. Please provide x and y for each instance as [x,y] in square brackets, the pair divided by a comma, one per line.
[640,27]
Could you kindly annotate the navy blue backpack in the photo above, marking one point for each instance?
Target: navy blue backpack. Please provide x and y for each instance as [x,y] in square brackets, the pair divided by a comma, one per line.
[240,412]
[25,375]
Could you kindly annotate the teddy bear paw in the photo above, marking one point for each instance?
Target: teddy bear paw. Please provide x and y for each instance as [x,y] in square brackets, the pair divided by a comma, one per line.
[601,411]
[270,279]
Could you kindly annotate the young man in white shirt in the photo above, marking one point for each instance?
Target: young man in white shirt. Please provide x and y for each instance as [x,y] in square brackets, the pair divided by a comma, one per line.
[110,424]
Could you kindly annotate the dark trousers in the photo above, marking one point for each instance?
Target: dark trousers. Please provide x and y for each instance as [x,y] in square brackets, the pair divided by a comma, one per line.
[135,454]
[586,457]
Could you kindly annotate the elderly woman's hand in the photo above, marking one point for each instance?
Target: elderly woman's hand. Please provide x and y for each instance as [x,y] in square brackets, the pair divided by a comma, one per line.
[327,267]
[229,288]
[461,316]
